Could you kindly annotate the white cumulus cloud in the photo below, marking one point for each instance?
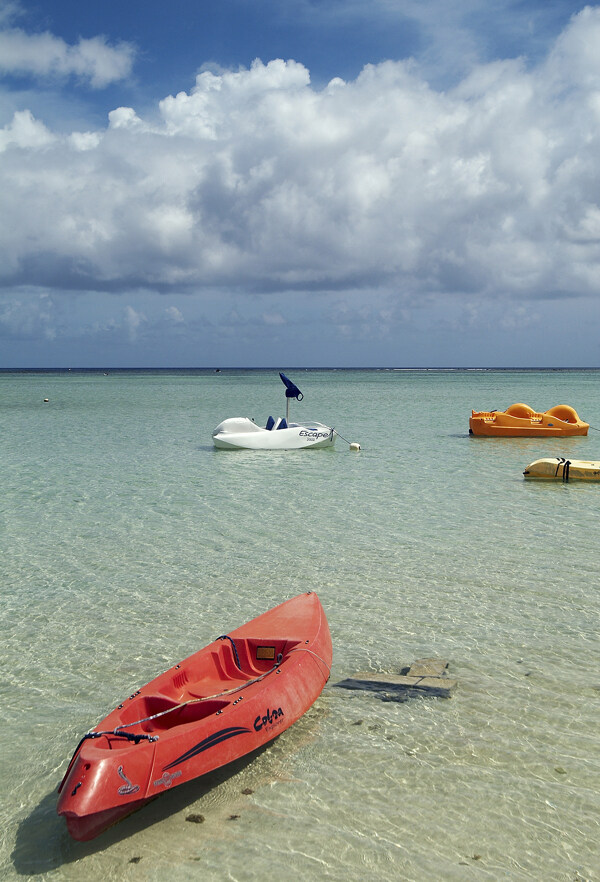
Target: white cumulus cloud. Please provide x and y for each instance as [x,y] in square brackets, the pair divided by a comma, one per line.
[257,180]
[25,131]
[45,55]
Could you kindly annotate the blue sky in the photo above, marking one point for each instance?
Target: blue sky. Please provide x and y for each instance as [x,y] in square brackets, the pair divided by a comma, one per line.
[315,182]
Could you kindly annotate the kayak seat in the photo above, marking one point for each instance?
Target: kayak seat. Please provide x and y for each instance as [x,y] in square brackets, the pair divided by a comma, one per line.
[256,656]
[253,656]
[282,424]
[189,713]
[166,712]
[219,671]
[270,424]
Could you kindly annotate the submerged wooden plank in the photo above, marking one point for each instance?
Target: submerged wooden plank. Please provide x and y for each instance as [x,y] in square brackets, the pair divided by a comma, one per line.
[398,687]
[427,667]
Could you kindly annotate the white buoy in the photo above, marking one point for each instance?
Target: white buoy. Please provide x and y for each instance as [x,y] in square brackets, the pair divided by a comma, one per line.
[46,399]
[355,446]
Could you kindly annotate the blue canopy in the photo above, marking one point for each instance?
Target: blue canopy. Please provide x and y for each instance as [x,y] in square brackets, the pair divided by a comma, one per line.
[291,390]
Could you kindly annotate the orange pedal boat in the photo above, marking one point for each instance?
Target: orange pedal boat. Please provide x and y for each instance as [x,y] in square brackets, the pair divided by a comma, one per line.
[219,704]
[520,420]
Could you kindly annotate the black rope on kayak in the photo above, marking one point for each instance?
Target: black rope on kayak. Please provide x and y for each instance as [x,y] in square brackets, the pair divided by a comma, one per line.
[566,464]
[115,732]
[235,652]
[130,736]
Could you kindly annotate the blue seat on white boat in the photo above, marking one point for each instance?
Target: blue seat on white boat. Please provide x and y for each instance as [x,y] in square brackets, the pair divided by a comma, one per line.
[282,424]
[270,423]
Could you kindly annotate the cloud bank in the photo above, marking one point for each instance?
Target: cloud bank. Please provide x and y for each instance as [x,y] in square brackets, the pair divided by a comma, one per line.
[256,181]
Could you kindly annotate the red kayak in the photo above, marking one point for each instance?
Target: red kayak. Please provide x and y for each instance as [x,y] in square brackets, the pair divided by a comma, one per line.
[219,704]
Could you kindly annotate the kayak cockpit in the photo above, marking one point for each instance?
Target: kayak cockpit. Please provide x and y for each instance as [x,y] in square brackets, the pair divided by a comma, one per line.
[156,713]
[203,687]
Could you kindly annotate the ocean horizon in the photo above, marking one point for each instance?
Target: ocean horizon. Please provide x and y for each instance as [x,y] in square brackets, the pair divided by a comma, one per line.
[212,368]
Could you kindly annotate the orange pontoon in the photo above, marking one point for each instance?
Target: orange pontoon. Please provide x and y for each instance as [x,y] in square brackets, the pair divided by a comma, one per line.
[520,420]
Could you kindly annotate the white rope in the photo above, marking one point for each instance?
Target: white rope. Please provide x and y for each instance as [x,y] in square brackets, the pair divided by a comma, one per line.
[310,651]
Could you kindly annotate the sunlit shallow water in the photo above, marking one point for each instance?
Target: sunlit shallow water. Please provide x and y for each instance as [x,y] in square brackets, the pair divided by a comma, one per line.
[128,542]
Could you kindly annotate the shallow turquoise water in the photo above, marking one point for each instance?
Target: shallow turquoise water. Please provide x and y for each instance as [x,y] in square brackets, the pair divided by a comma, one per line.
[127,542]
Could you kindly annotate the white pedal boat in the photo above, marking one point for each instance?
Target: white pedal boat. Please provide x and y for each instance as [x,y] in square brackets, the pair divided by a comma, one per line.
[562,469]
[242,432]
[278,434]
